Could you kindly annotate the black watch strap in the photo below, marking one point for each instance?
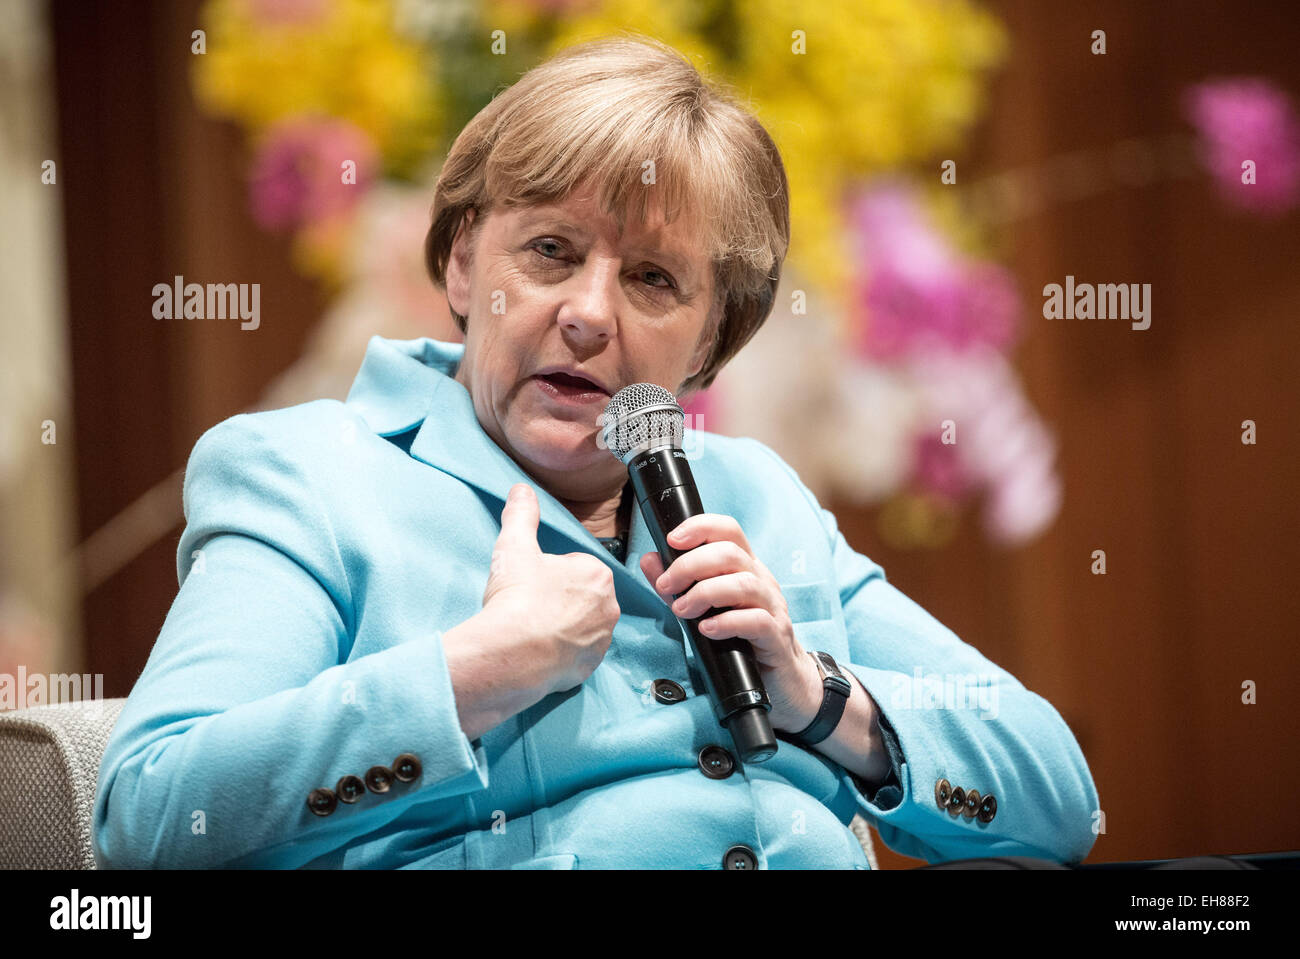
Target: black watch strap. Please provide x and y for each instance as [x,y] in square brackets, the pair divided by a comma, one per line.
[835,695]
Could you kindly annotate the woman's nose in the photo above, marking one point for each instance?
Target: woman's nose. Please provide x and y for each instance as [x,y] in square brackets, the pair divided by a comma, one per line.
[589,313]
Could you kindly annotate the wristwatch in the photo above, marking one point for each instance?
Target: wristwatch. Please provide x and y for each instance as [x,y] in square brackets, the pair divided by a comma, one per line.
[835,693]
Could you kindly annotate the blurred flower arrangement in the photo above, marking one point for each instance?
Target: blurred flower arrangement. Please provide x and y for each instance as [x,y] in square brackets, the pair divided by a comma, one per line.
[907,331]
[1242,119]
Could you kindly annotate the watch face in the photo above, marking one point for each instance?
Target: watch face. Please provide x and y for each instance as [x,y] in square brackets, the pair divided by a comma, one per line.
[828,663]
[832,670]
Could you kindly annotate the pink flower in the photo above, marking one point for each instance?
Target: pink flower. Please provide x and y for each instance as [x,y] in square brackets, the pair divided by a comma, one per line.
[957,308]
[938,469]
[298,172]
[1000,447]
[918,293]
[1248,118]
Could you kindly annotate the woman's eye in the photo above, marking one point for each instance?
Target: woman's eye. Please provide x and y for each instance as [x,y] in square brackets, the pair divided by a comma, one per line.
[655,279]
[668,284]
[541,243]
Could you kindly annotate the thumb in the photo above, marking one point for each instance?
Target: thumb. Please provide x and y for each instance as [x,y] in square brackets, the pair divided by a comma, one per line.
[652,567]
[519,519]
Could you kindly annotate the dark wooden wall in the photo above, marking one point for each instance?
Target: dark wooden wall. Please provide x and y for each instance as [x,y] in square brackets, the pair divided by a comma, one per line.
[1145,663]
[153,189]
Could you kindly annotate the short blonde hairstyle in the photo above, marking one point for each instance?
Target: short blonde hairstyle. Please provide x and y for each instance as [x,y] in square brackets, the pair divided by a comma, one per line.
[600,110]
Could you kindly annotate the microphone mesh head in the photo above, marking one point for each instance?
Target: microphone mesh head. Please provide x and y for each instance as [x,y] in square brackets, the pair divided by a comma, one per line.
[639,417]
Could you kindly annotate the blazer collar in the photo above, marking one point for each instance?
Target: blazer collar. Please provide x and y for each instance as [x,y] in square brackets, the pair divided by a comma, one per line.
[407,383]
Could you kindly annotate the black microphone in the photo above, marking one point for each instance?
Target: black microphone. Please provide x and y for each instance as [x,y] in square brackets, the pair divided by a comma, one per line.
[643,426]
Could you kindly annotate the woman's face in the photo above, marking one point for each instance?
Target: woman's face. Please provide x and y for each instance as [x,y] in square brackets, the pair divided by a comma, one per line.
[553,286]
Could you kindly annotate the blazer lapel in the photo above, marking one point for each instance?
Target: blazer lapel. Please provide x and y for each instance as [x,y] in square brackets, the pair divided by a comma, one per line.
[472,456]
[403,383]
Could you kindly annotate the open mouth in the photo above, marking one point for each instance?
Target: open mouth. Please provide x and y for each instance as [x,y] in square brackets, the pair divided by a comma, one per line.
[569,385]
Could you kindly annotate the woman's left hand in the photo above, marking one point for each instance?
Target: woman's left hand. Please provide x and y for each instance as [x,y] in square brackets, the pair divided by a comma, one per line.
[720,570]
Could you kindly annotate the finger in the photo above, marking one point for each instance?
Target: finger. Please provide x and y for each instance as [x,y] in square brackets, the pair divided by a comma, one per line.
[711,559]
[519,519]
[742,589]
[754,625]
[708,528]
[652,567]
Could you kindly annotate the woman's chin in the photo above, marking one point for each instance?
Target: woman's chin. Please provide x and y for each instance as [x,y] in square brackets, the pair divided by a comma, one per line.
[563,450]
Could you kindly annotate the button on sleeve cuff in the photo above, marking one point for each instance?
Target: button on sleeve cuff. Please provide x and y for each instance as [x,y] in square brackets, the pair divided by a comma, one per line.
[427,724]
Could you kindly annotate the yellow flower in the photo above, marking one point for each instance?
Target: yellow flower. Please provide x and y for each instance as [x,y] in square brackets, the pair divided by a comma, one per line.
[350,64]
[319,249]
[681,24]
[847,88]
[851,89]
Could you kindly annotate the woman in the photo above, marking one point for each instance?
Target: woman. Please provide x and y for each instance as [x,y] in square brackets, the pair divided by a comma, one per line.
[410,633]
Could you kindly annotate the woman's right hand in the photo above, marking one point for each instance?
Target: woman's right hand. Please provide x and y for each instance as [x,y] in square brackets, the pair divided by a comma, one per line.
[563,606]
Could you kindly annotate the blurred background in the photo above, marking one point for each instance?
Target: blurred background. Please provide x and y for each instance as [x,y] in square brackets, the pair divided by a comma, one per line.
[1107,512]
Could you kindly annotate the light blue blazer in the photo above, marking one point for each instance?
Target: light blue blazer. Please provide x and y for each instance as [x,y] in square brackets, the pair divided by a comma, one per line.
[296,709]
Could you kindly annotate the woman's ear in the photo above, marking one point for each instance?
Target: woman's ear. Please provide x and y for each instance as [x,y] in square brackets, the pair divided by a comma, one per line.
[459,265]
[697,364]
[707,339]
[701,355]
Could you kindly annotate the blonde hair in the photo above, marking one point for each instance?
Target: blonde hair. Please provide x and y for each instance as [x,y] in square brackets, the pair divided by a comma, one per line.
[600,110]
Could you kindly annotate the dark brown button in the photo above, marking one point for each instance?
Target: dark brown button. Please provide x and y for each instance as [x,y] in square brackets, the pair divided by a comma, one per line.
[942,793]
[988,809]
[378,779]
[667,691]
[715,762]
[957,801]
[322,801]
[406,768]
[350,789]
[972,804]
[739,857]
